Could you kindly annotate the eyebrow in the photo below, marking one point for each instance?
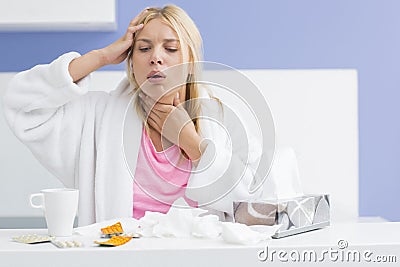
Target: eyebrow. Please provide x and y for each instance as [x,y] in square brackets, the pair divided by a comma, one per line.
[165,40]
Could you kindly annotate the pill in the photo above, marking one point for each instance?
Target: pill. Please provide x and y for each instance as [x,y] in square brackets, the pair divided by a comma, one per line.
[67,244]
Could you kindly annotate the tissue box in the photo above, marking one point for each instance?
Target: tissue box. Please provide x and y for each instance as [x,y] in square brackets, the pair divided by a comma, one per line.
[296,215]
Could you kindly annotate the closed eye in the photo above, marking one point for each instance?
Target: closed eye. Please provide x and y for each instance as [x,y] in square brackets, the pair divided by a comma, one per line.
[172,50]
[144,49]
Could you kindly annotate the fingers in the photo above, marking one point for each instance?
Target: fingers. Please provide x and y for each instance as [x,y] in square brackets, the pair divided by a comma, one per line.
[151,113]
[177,101]
[152,117]
[135,20]
[155,105]
[133,25]
[148,107]
[146,101]
[153,123]
[131,30]
[162,108]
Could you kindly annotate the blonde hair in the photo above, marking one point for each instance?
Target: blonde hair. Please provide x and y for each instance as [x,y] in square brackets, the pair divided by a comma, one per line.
[191,45]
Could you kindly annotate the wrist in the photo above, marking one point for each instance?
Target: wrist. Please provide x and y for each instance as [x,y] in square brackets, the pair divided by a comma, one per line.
[84,65]
[195,147]
[102,58]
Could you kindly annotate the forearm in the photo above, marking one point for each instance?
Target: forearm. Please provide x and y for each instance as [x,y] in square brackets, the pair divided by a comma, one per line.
[84,65]
[194,148]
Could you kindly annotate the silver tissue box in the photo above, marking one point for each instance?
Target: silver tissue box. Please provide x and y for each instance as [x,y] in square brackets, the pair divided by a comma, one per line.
[296,215]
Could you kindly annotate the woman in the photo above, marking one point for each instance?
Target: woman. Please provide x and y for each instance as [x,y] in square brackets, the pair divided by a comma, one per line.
[137,148]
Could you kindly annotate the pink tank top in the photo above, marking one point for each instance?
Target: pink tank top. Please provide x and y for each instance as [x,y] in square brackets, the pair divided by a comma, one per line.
[160,178]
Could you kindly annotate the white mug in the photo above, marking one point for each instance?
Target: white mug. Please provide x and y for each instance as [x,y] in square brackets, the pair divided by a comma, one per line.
[60,206]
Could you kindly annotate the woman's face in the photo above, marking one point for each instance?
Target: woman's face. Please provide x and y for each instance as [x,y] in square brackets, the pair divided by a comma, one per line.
[157,48]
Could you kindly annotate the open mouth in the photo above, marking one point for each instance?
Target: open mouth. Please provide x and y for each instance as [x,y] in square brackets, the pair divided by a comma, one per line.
[155,76]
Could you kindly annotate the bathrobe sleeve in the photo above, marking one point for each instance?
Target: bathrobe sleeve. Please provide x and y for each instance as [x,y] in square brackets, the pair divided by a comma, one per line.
[46,110]
[227,169]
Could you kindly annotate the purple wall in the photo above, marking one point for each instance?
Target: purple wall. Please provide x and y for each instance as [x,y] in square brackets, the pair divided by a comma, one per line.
[360,34]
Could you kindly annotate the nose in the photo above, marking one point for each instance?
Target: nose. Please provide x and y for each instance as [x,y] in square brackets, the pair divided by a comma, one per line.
[156,58]
[155,62]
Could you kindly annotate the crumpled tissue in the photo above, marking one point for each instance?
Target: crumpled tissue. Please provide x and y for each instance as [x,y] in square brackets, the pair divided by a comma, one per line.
[181,221]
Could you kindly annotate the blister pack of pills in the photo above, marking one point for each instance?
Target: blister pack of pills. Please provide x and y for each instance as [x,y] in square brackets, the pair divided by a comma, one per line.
[112,230]
[114,241]
[116,234]
[32,239]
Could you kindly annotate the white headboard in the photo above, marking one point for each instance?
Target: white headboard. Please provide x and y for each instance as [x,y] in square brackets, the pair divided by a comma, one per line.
[315,112]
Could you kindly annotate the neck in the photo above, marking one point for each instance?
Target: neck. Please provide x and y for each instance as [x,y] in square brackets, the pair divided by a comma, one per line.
[169,98]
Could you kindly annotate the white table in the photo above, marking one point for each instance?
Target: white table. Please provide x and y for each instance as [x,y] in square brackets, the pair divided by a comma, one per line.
[371,239]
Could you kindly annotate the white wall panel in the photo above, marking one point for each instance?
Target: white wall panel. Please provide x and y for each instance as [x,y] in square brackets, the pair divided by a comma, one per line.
[57,15]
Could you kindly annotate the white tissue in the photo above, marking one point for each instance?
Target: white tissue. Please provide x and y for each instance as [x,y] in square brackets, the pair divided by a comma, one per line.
[187,223]
[182,221]
[207,226]
[238,233]
[283,181]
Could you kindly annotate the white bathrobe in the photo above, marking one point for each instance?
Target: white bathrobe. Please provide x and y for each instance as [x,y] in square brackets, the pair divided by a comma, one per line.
[90,141]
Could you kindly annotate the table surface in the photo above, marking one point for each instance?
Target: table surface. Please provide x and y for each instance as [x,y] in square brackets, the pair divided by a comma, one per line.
[382,239]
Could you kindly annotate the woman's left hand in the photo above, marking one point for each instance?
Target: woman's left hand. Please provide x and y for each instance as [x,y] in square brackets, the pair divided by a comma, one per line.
[173,123]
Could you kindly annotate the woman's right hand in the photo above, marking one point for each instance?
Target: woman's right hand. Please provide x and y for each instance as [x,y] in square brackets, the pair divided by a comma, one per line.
[117,52]
[114,53]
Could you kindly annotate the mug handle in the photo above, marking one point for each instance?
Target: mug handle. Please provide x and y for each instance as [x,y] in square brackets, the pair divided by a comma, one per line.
[39,195]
